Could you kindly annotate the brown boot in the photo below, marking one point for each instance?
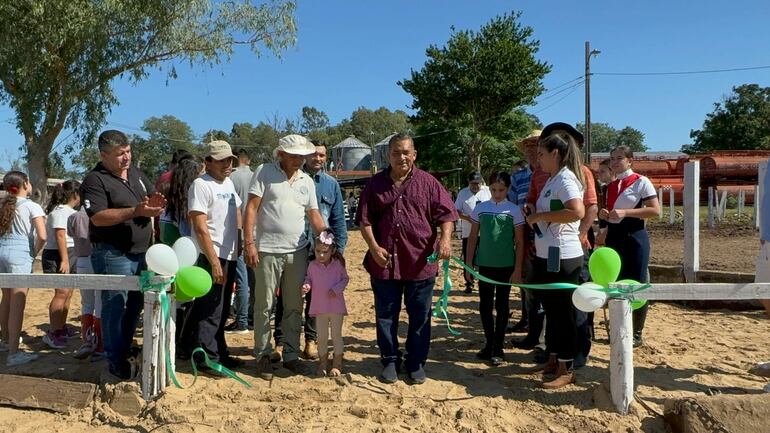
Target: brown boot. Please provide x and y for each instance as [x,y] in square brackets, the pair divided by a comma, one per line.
[551,367]
[311,350]
[336,366]
[564,377]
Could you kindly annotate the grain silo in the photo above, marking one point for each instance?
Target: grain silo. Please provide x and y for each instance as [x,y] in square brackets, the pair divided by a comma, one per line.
[351,154]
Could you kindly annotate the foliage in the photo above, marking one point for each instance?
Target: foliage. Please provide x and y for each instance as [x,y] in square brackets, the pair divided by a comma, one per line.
[604,137]
[477,78]
[739,122]
[370,126]
[164,135]
[440,149]
[60,56]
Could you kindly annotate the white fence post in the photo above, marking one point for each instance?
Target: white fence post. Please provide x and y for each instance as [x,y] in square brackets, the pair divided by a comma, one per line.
[741,197]
[691,220]
[621,355]
[723,206]
[762,172]
[672,209]
[660,201]
[158,337]
[710,217]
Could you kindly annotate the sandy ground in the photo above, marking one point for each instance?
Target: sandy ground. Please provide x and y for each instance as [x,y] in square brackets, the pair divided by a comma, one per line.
[687,353]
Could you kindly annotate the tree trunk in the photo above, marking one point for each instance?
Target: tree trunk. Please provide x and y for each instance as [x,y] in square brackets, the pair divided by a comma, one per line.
[38,150]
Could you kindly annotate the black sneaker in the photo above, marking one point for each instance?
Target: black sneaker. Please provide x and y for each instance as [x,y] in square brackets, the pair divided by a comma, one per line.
[484,354]
[417,377]
[237,329]
[523,343]
[231,326]
[264,368]
[232,362]
[389,374]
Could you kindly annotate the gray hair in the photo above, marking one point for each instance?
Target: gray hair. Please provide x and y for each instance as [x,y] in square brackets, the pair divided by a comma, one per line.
[400,137]
[111,139]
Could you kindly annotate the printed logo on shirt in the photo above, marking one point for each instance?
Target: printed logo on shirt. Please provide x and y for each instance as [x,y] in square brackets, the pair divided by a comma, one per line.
[548,193]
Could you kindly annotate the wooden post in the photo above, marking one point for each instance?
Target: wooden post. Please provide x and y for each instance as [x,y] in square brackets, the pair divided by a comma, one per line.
[710,218]
[621,355]
[672,209]
[158,337]
[171,338]
[691,220]
[758,192]
[722,206]
[660,201]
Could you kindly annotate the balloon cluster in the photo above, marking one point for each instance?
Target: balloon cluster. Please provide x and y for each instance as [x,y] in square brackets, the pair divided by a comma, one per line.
[179,260]
[604,267]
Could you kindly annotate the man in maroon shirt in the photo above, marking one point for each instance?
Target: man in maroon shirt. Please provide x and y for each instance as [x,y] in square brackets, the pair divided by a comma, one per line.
[398,212]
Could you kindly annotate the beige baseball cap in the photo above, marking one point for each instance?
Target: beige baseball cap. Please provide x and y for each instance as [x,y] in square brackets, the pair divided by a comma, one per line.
[219,150]
[294,144]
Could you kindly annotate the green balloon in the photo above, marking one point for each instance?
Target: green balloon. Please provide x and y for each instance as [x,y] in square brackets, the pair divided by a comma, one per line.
[181,297]
[604,266]
[636,303]
[192,282]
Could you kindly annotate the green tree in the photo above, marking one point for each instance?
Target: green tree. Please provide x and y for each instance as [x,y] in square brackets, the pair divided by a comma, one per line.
[477,78]
[59,57]
[442,149]
[604,137]
[739,122]
[258,141]
[164,135]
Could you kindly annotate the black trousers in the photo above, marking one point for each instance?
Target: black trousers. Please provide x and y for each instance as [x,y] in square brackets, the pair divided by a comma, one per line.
[560,327]
[205,323]
[468,283]
[497,297]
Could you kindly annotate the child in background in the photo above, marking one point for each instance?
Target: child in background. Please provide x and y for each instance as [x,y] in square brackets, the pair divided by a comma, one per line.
[59,258]
[90,300]
[327,278]
[497,225]
[22,235]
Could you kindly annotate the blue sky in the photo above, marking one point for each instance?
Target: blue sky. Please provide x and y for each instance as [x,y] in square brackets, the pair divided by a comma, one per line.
[351,54]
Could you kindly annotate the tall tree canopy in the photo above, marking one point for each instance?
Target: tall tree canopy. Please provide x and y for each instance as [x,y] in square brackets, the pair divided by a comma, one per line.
[370,126]
[58,57]
[740,122]
[477,78]
[604,137]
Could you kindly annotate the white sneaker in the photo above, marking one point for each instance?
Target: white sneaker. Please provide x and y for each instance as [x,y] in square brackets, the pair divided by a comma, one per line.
[19,358]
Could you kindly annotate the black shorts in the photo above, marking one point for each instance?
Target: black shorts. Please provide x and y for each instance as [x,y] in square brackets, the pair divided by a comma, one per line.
[51,261]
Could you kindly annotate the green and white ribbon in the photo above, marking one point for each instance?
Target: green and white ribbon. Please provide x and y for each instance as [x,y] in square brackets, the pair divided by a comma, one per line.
[146,284]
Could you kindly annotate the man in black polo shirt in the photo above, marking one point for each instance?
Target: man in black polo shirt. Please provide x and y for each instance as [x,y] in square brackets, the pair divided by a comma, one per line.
[120,202]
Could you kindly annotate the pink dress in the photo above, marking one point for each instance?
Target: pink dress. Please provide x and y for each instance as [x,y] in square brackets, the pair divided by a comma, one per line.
[322,278]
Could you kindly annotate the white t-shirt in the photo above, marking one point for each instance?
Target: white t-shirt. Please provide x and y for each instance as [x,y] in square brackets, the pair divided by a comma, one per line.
[559,189]
[221,204]
[633,196]
[26,211]
[465,203]
[57,219]
[281,216]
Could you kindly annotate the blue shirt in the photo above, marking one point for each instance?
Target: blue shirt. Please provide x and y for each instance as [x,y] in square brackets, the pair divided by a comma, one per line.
[764,209]
[330,205]
[520,186]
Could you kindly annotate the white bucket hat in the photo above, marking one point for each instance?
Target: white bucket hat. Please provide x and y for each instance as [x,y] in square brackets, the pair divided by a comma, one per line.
[294,144]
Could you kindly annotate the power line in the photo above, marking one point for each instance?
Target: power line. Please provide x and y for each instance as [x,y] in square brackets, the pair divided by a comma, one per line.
[705,71]
[573,88]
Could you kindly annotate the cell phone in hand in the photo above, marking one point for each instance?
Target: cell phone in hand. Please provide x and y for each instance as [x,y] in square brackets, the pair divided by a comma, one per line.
[535,227]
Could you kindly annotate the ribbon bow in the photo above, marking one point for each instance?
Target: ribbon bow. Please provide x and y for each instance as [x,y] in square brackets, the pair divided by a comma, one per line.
[326,238]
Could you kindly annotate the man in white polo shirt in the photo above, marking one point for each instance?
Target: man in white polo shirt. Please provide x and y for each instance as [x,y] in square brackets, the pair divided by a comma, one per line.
[281,196]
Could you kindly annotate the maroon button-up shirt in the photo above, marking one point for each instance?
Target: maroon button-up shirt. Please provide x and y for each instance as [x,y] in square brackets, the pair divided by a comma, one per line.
[404,220]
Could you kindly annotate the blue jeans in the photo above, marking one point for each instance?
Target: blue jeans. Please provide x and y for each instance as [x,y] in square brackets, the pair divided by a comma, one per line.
[15,256]
[417,297]
[120,308]
[244,280]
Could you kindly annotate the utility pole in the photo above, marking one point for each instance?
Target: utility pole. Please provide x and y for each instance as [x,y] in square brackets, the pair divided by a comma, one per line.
[587,135]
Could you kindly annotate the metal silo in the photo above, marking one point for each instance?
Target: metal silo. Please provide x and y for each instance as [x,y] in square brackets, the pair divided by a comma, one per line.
[353,155]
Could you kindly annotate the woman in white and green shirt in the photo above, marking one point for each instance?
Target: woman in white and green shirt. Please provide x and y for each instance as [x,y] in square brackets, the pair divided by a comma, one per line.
[498,227]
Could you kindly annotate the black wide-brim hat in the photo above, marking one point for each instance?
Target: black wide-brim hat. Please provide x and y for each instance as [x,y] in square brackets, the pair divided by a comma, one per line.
[566,127]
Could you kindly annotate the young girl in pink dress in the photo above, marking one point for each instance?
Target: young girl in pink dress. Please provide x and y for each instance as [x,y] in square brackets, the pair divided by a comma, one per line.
[327,278]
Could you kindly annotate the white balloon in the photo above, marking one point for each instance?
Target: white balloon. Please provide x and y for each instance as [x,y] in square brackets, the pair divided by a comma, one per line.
[186,251]
[162,260]
[587,298]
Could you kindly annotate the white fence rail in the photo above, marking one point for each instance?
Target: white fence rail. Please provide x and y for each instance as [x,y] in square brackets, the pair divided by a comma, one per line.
[157,336]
